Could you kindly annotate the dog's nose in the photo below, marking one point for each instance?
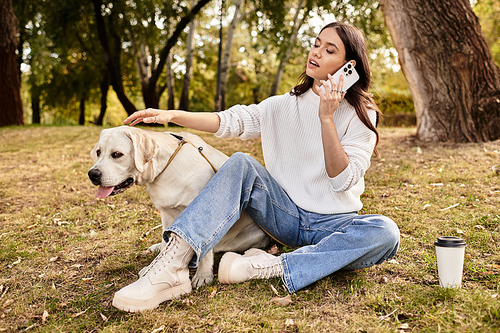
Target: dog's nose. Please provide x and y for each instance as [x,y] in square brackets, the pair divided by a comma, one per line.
[95,176]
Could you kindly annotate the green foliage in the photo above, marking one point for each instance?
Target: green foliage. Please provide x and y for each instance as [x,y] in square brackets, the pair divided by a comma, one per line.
[487,11]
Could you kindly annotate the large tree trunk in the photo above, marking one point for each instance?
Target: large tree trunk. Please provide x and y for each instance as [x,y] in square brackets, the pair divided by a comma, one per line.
[11,106]
[184,99]
[224,68]
[288,45]
[453,79]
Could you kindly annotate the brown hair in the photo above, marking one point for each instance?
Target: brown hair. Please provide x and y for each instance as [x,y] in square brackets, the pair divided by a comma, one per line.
[358,95]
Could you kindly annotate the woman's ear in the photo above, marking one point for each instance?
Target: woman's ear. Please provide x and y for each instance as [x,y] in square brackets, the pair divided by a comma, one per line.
[353,62]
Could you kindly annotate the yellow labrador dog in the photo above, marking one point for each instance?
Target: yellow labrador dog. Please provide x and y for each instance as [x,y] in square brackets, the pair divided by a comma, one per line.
[175,168]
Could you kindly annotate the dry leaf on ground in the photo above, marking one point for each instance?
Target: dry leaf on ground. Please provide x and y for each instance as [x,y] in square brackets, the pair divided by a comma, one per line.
[282,300]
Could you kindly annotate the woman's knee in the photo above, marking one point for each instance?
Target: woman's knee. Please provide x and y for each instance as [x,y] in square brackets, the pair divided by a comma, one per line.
[239,160]
[387,230]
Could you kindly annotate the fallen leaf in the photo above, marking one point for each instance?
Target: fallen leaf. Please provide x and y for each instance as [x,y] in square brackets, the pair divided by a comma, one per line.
[282,300]
[384,280]
[156,330]
[289,322]
[404,326]
[53,259]
[187,302]
[213,292]
[274,290]
[79,313]
[7,303]
[45,315]
[104,318]
[273,249]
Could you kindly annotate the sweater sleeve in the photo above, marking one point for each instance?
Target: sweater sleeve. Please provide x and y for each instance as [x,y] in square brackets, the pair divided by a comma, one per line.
[240,121]
[358,143]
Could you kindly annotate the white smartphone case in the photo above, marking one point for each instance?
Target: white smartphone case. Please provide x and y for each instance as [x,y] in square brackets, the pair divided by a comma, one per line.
[350,77]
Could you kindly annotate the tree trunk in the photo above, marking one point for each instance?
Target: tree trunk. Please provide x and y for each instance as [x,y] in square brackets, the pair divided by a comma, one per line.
[104,99]
[81,120]
[288,51]
[11,106]
[153,97]
[112,61]
[452,77]
[224,71]
[35,105]
[184,100]
[170,84]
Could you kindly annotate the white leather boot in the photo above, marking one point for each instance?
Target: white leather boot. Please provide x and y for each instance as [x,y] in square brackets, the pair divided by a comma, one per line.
[235,268]
[167,277]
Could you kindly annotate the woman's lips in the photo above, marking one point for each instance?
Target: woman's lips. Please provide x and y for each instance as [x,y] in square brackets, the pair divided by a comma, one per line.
[312,64]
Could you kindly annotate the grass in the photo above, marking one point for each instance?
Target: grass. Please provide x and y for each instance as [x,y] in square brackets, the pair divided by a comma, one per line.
[63,253]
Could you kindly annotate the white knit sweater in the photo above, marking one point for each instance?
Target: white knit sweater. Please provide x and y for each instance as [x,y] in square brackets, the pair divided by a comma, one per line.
[290,132]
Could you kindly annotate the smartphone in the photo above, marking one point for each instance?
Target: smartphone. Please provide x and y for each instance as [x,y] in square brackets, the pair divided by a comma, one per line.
[350,77]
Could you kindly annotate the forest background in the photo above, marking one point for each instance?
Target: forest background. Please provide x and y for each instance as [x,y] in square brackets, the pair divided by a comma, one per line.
[264,49]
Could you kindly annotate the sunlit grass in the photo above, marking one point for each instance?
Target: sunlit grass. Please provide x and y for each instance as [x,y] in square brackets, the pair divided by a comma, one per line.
[64,253]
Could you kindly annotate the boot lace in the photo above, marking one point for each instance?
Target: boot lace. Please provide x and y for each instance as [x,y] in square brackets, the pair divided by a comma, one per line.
[163,258]
[267,271]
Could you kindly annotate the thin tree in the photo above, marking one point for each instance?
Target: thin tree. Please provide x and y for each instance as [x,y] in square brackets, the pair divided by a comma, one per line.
[452,77]
[288,48]
[226,55]
[11,106]
[184,99]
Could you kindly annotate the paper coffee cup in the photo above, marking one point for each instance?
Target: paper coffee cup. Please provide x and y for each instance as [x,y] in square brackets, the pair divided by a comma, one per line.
[450,260]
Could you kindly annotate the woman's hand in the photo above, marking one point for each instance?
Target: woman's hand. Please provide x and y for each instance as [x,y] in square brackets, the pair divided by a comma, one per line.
[331,98]
[149,116]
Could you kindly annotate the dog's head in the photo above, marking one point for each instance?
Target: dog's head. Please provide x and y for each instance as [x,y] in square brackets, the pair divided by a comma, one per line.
[120,156]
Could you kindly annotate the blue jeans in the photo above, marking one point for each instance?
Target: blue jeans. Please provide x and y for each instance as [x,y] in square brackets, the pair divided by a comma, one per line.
[327,243]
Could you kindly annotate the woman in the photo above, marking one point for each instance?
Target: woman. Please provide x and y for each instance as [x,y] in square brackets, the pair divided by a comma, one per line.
[317,147]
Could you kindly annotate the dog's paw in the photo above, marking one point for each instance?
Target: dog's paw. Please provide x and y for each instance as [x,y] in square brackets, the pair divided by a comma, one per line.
[201,280]
[155,248]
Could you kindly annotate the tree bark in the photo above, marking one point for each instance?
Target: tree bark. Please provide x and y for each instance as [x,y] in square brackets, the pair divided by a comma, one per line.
[452,77]
[184,99]
[152,99]
[224,71]
[170,84]
[288,51]
[11,106]
[35,105]
[104,99]
[81,119]
[112,60]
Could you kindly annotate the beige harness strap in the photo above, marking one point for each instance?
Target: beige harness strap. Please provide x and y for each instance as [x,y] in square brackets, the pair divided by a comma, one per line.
[181,143]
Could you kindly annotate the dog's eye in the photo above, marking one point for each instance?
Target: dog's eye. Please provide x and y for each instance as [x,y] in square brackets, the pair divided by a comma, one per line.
[98,152]
[116,154]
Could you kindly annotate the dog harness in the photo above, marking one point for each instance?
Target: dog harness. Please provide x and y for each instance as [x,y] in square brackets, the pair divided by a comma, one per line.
[182,142]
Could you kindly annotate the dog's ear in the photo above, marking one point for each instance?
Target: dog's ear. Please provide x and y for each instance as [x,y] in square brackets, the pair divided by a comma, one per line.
[93,154]
[145,147]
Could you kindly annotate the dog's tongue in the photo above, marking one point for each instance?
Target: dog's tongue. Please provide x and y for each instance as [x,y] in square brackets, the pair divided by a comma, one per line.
[103,192]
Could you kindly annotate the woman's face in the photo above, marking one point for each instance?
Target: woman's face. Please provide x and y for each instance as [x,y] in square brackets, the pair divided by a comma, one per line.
[326,56]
